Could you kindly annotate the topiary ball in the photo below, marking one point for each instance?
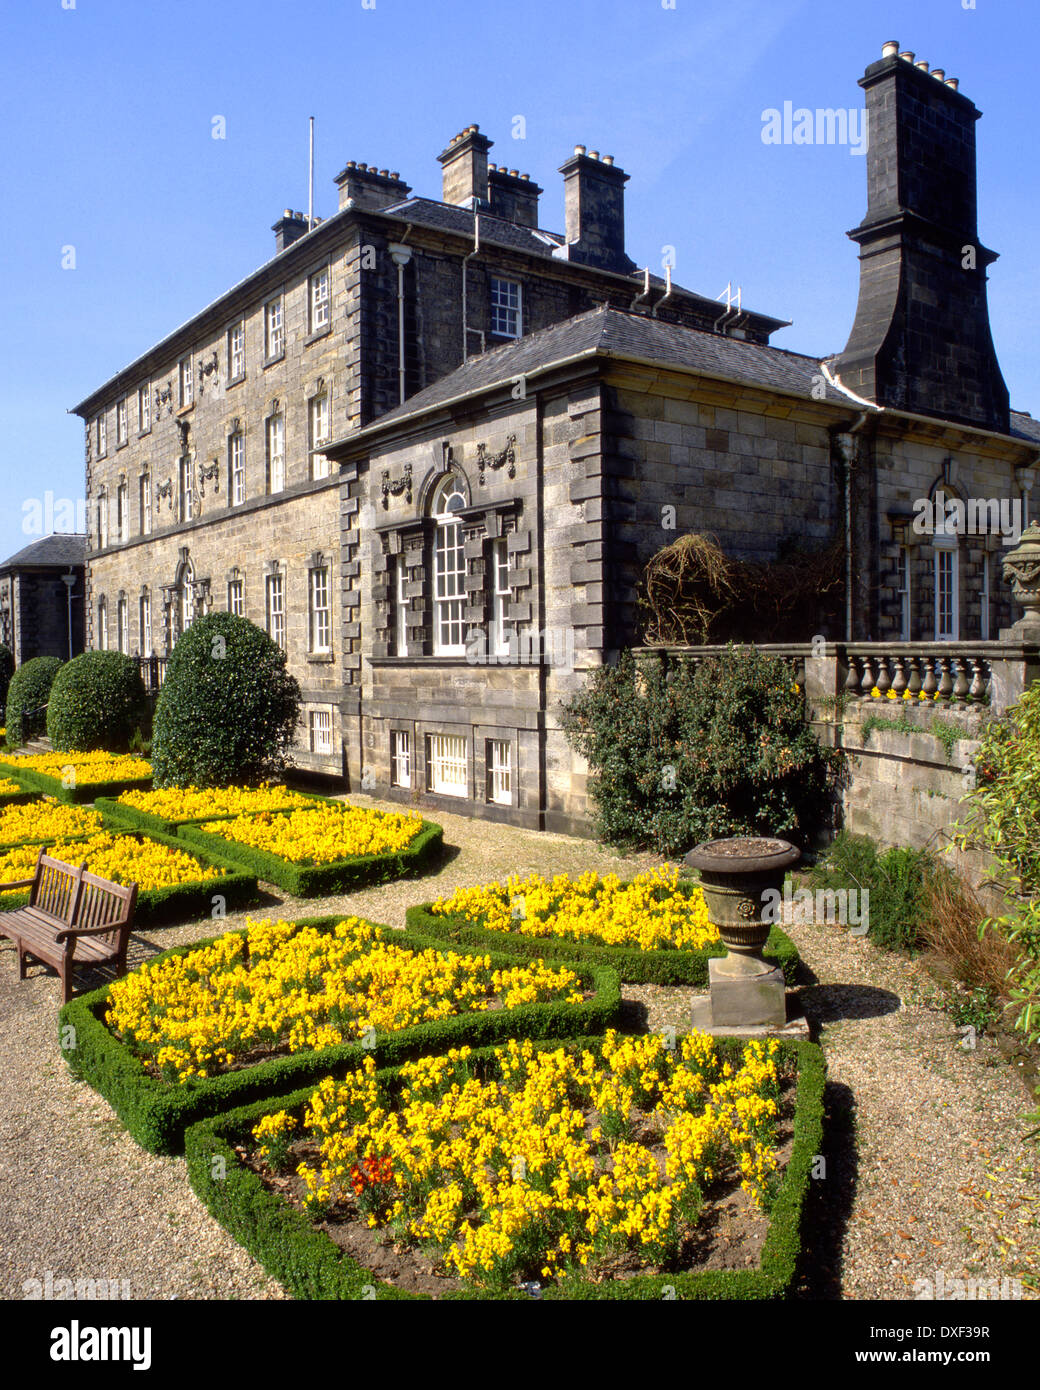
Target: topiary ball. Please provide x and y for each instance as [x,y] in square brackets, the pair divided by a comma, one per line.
[27,698]
[97,701]
[228,709]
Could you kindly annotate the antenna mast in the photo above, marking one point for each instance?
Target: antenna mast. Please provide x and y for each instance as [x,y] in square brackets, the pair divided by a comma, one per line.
[310,195]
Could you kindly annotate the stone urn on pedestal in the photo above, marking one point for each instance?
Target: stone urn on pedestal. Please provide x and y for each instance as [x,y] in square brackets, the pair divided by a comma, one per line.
[1022,570]
[742,879]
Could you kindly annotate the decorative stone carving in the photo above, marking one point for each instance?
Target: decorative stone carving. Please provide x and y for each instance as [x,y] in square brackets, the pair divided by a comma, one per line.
[395,489]
[506,456]
[164,490]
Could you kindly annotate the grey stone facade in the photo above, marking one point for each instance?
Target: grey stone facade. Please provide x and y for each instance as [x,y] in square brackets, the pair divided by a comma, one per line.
[40,613]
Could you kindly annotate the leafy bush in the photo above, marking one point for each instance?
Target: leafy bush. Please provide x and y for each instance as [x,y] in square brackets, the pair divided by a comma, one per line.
[228,709]
[897,880]
[6,672]
[97,701]
[695,754]
[27,697]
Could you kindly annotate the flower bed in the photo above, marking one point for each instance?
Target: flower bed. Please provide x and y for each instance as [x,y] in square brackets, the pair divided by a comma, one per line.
[174,884]
[583,1166]
[93,774]
[43,822]
[398,1003]
[166,809]
[13,793]
[324,849]
[653,928]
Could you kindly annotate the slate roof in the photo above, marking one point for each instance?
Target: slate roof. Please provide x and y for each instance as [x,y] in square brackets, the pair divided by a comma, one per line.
[60,550]
[498,230]
[610,332]
[613,332]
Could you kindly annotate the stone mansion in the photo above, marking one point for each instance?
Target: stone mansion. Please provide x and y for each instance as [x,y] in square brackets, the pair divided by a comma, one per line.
[430,446]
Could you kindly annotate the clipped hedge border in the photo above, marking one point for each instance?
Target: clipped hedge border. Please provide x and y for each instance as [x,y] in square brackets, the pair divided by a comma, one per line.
[660,966]
[179,902]
[321,880]
[157,1114]
[19,798]
[135,819]
[307,1263]
[87,791]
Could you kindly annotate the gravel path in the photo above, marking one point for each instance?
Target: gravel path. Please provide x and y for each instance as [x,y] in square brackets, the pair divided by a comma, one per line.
[926,1170]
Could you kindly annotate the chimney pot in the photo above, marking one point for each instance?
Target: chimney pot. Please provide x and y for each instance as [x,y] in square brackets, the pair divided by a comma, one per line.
[608,159]
[922,65]
[939,73]
[384,173]
[890,49]
[395,174]
[953,82]
[579,149]
[907,57]
[594,154]
[525,176]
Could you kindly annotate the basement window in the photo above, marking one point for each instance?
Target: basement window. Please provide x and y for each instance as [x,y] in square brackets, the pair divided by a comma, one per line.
[446,766]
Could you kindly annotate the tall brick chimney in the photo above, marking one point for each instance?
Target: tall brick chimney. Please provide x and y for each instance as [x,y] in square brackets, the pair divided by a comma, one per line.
[921,338]
[594,205]
[464,168]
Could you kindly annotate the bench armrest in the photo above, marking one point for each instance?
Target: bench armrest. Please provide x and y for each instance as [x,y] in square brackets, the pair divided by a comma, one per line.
[21,883]
[70,933]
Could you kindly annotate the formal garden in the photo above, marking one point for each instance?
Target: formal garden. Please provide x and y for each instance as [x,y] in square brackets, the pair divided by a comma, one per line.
[402,1060]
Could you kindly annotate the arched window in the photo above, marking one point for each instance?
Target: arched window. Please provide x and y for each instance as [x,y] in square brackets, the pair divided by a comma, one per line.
[449,568]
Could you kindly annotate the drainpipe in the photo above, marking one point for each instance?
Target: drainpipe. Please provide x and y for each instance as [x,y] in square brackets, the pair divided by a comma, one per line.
[465,262]
[667,294]
[646,289]
[400,255]
[853,430]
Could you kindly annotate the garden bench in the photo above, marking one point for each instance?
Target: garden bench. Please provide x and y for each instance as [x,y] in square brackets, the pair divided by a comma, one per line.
[72,918]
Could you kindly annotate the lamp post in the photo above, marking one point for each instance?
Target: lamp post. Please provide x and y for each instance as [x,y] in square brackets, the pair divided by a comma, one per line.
[69,580]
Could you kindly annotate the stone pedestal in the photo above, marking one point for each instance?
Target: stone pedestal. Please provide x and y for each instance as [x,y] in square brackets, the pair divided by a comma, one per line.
[702,1021]
[747,1000]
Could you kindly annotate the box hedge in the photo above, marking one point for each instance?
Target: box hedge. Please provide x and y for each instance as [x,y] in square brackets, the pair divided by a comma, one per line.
[27,696]
[156,1113]
[180,902]
[309,1265]
[81,792]
[321,880]
[119,813]
[664,965]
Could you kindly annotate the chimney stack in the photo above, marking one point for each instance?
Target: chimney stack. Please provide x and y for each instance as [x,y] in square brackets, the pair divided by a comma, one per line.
[365,186]
[921,338]
[594,203]
[513,196]
[464,166]
[289,228]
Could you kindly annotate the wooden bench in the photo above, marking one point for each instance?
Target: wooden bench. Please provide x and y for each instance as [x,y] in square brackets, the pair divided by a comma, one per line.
[72,918]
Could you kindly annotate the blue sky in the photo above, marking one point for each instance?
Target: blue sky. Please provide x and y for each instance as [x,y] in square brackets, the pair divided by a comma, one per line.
[108,148]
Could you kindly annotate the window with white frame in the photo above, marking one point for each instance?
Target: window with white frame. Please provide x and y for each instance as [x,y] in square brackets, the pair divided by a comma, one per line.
[236,352]
[187,488]
[123,626]
[500,771]
[318,414]
[236,468]
[904,593]
[121,421]
[449,567]
[102,436]
[102,625]
[499,645]
[276,609]
[186,379]
[320,610]
[102,506]
[506,308]
[144,409]
[236,600]
[319,301]
[144,615]
[947,616]
[144,502]
[274,330]
[275,431]
[321,730]
[400,758]
[400,606]
[122,513]
[446,764]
